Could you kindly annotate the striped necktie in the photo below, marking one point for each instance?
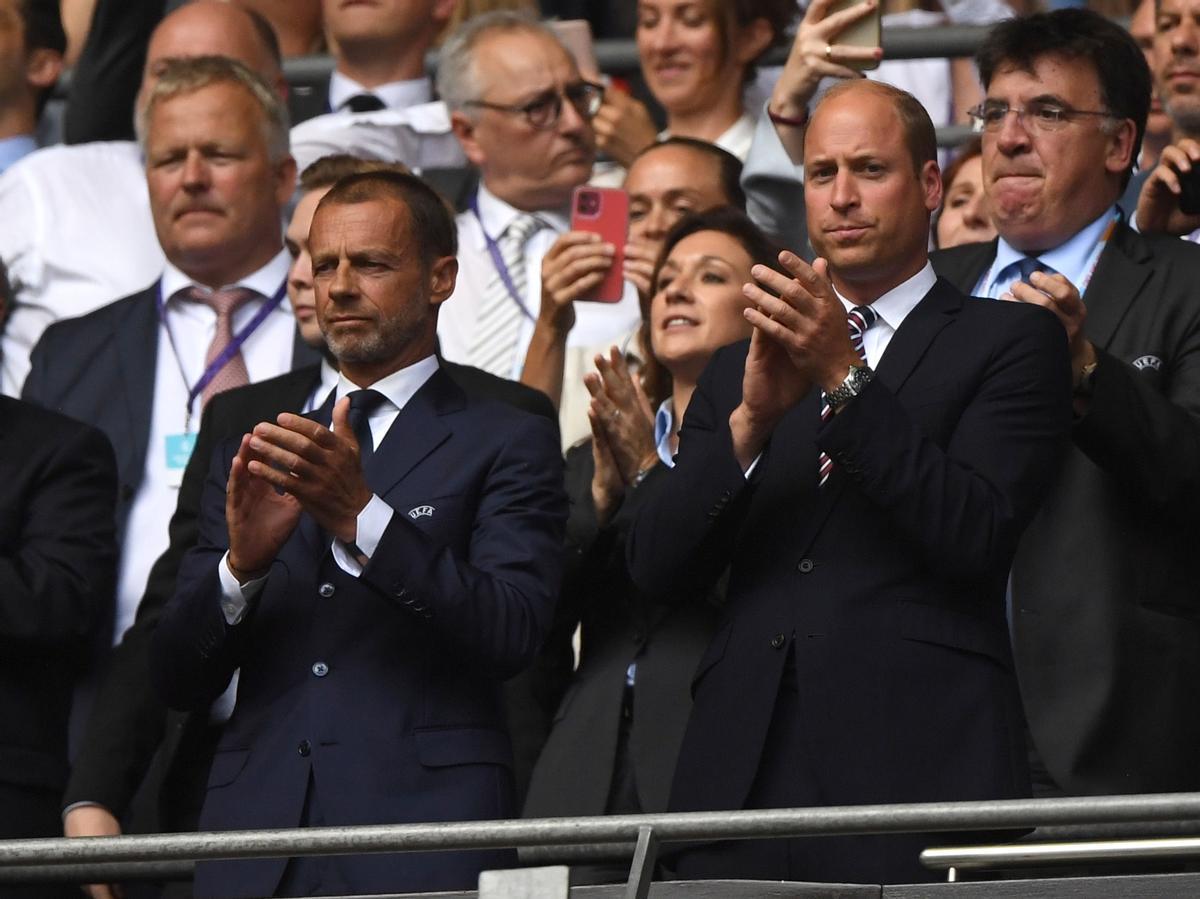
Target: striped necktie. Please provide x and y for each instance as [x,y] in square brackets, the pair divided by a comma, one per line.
[499,322]
[858,320]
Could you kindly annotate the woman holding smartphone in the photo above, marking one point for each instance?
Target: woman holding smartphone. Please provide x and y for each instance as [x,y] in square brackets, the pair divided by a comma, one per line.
[697,56]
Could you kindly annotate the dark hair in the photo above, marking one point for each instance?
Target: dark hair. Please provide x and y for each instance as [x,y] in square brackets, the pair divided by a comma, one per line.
[431,224]
[656,380]
[43,31]
[734,14]
[1076,34]
[329,170]
[919,134]
[729,167]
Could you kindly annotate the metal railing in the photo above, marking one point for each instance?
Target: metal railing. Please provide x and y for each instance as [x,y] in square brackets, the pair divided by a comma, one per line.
[23,860]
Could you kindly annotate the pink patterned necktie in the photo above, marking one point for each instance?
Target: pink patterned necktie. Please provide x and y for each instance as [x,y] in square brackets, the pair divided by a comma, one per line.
[858,320]
[224,303]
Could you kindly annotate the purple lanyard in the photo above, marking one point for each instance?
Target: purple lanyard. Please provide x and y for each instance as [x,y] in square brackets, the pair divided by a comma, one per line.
[498,262]
[231,350]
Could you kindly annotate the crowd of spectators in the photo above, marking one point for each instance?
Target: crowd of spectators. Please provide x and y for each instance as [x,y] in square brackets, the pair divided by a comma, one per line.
[332,496]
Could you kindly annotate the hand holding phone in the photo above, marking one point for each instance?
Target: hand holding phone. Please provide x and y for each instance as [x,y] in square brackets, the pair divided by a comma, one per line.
[604,211]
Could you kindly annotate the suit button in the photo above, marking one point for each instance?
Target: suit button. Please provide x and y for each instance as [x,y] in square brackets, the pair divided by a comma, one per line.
[320,669]
[777,641]
[304,748]
[326,590]
[805,566]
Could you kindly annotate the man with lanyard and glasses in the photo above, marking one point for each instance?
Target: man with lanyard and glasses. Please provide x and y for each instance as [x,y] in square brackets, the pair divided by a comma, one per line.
[523,116]
[140,369]
[1103,599]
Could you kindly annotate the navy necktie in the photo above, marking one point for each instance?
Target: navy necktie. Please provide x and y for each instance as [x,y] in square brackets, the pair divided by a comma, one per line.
[362,404]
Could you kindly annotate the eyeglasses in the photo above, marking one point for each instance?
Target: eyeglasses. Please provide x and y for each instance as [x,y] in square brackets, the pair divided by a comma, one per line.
[1036,115]
[543,111]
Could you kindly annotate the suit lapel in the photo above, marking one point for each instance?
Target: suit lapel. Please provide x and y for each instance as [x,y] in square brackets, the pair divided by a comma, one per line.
[136,338]
[1120,275]
[416,432]
[906,348]
[964,266]
[310,531]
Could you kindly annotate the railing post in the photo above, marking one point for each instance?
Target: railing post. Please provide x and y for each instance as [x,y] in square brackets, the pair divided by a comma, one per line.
[641,871]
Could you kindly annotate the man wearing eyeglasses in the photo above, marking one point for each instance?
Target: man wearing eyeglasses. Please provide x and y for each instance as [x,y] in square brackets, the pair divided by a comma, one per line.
[523,115]
[1103,597]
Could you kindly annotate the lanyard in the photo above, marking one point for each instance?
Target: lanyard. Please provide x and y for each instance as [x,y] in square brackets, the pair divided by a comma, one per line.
[232,349]
[498,262]
[1089,267]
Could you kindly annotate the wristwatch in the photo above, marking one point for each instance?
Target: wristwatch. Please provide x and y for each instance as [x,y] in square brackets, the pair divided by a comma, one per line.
[858,378]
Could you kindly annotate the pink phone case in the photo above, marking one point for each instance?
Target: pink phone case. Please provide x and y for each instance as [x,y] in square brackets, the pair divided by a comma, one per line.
[604,211]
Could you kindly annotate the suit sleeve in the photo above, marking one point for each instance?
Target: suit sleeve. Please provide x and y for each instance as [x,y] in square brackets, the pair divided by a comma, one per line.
[1149,441]
[194,651]
[496,604]
[57,580]
[128,717]
[109,71]
[774,189]
[965,506]
[683,537]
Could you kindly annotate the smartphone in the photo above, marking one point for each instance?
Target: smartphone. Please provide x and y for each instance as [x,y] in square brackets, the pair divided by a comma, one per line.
[1189,194]
[866,32]
[604,211]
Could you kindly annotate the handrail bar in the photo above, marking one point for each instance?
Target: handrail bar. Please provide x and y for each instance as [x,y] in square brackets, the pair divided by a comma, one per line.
[1020,855]
[770,823]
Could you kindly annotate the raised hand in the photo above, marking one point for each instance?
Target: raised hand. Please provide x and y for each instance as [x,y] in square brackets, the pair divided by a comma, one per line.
[624,413]
[623,127]
[260,519]
[317,467]
[1158,203]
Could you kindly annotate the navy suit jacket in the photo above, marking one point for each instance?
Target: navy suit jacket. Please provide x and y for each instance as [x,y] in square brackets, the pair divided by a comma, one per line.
[888,583]
[1104,583]
[401,720]
[99,368]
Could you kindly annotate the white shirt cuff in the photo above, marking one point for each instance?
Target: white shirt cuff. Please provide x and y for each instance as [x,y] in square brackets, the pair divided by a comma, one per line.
[372,521]
[235,597]
[749,471]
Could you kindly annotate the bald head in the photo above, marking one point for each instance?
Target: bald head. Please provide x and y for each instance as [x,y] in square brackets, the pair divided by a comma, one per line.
[214,28]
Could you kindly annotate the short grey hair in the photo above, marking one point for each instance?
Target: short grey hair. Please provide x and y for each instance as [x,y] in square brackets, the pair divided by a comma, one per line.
[457,84]
[181,76]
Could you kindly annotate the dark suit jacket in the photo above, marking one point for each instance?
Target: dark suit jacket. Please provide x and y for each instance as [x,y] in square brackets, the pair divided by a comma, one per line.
[99,368]
[1105,628]
[665,635]
[887,585]
[58,485]
[405,722]
[130,724]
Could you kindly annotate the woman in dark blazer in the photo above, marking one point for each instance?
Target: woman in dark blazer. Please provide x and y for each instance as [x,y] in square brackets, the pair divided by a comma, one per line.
[617,731]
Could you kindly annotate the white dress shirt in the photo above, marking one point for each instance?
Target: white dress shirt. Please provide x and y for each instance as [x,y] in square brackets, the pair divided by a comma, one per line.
[75,233]
[419,136]
[393,95]
[892,309]
[267,353]
[397,388]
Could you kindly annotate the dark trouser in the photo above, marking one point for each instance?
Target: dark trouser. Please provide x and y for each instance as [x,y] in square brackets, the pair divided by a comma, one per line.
[28,812]
[787,779]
